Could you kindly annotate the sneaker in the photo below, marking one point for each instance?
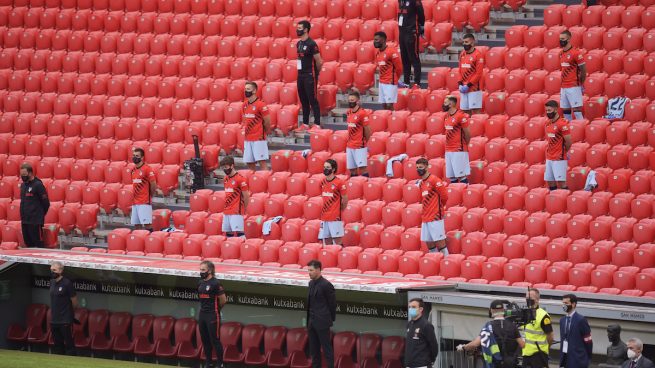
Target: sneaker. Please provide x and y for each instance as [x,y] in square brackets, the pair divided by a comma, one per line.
[301,128]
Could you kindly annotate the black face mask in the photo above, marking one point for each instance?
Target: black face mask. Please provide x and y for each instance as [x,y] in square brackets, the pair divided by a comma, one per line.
[25,178]
[136,160]
[563,43]
[352,104]
[551,115]
[327,172]
[445,108]
[248,94]
[227,171]
[203,275]
[467,47]
[54,275]
[377,45]
[567,308]
[300,32]
[421,172]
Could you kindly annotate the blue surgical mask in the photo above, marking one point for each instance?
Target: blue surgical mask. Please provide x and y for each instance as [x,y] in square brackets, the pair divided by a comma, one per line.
[412,313]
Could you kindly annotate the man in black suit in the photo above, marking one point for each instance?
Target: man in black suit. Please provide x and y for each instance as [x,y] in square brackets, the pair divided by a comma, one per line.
[321,313]
[635,357]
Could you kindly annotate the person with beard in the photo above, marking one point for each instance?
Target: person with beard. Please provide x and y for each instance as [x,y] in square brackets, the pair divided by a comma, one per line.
[309,65]
[237,196]
[575,334]
[458,136]
[390,67]
[335,200]
[256,125]
[434,195]
[212,299]
[144,185]
[359,133]
[34,205]
[471,67]
[558,138]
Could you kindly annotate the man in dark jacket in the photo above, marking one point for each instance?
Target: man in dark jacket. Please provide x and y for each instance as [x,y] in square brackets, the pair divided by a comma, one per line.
[421,346]
[34,205]
[575,334]
[321,313]
[411,25]
[63,301]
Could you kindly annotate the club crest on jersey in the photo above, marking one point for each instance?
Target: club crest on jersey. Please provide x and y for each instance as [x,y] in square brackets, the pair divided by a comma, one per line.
[207,288]
[60,288]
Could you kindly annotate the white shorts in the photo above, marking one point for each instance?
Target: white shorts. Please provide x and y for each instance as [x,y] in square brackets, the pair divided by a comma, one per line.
[255,151]
[556,170]
[470,100]
[570,97]
[433,231]
[356,157]
[457,164]
[232,223]
[388,93]
[330,229]
[141,214]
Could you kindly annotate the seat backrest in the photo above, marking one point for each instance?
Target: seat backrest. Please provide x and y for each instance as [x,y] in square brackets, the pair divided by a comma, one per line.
[231,333]
[35,315]
[296,340]
[393,348]
[82,316]
[252,336]
[344,344]
[368,346]
[119,323]
[142,325]
[185,328]
[162,328]
[98,321]
[274,338]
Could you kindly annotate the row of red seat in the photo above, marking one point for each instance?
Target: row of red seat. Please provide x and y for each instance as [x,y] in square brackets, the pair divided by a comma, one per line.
[41,91]
[293,252]
[298,8]
[209,43]
[631,16]
[596,37]
[237,60]
[149,107]
[165,337]
[497,258]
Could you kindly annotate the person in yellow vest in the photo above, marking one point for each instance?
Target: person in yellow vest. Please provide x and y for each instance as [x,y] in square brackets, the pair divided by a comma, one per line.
[538,334]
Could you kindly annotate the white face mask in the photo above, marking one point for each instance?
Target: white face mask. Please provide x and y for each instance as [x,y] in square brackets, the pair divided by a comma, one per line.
[631,354]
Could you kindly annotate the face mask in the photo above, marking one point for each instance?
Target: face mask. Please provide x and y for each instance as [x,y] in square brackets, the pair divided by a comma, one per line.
[136,160]
[467,47]
[54,275]
[631,354]
[227,171]
[421,172]
[377,45]
[203,275]
[563,43]
[300,32]
[327,172]
[551,115]
[248,94]
[352,104]
[24,178]
[445,108]
[412,313]
[567,308]
[530,302]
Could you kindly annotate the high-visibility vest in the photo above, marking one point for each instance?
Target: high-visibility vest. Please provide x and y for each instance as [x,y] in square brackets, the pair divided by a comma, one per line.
[535,337]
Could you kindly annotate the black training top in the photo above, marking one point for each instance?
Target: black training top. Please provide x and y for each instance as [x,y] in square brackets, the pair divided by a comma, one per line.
[306,51]
[208,293]
[61,305]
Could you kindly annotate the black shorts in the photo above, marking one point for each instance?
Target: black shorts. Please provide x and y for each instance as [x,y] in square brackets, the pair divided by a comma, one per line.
[538,360]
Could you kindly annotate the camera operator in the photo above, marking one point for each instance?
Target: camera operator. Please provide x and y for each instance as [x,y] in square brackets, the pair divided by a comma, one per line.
[500,339]
[538,334]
